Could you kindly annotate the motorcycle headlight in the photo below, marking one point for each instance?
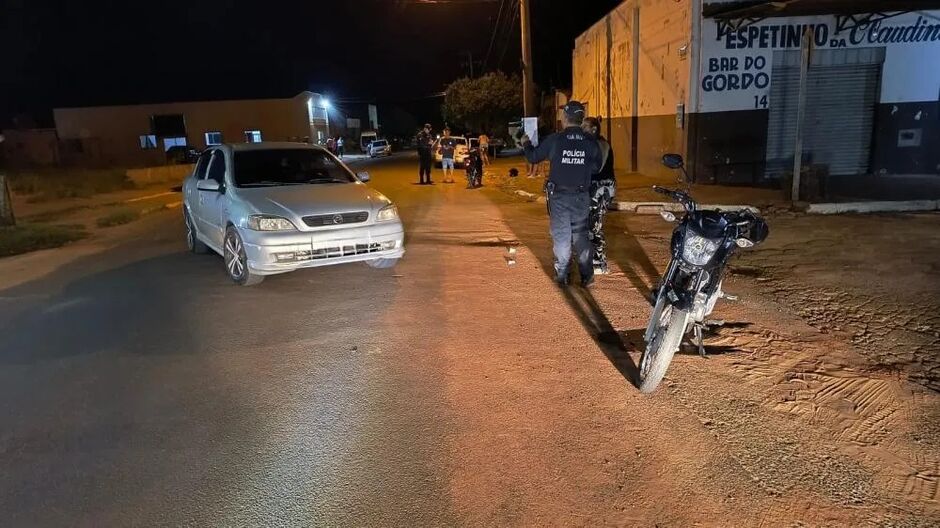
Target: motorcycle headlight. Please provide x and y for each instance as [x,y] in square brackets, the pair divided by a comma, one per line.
[269,223]
[698,250]
[387,214]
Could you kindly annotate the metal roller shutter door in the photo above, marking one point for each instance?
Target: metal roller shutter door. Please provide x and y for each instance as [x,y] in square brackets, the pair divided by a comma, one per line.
[842,91]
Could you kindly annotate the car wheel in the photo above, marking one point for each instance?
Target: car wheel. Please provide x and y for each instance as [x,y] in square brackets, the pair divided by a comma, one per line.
[382,263]
[192,241]
[236,261]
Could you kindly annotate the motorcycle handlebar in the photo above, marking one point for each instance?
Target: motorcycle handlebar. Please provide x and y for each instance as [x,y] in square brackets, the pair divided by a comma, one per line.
[678,196]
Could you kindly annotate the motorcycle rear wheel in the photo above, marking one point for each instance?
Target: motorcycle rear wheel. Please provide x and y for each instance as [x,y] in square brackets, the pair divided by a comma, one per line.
[667,336]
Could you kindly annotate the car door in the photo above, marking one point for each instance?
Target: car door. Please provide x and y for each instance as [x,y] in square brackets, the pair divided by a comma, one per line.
[212,204]
[192,191]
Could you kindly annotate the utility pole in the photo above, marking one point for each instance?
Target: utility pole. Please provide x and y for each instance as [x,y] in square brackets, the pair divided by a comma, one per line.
[806,49]
[528,92]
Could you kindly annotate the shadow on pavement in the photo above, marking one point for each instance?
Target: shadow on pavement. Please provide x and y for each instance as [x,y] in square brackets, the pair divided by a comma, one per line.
[624,250]
[531,229]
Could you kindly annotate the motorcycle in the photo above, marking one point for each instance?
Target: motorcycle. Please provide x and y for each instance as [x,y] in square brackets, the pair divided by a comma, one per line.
[702,244]
[474,168]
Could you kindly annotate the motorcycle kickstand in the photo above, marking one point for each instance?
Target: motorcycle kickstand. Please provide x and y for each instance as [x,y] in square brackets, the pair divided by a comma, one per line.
[700,340]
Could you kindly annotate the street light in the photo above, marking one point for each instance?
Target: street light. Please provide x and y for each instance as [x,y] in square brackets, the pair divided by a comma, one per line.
[325,103]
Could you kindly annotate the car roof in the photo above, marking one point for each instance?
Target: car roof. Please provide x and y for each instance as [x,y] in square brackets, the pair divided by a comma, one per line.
[270,145]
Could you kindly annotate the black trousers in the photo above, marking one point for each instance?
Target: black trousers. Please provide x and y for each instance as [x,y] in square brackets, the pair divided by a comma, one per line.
[424,167]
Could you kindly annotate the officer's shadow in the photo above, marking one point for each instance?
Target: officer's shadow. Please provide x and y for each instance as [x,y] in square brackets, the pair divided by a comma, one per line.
[531,229]
[593,319]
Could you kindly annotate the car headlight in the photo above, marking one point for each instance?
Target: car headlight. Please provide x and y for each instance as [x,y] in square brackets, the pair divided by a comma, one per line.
[269,223]
[387,213]
[698,250]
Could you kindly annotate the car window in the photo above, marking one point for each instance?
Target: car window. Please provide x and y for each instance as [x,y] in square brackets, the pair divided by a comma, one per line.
[381,143]
[257,168]
[217,167]
[202,165]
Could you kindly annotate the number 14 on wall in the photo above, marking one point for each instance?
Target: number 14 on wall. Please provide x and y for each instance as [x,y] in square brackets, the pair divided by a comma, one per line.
[760,101]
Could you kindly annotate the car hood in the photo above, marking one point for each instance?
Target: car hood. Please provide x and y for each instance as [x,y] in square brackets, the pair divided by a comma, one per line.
[297,201]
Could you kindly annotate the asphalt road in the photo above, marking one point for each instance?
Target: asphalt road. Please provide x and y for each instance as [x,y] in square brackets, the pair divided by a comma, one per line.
[139,387]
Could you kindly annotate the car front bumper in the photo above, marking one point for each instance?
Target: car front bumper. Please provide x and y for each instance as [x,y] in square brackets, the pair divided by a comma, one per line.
[270,253]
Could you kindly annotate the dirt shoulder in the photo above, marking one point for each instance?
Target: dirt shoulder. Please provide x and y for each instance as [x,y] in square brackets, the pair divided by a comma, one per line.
[782,425]
[823,378]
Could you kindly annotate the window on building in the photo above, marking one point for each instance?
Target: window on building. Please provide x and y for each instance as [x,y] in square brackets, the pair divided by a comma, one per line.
[318,112]
[252,136]
[148,141]
[213,138]
[173,142]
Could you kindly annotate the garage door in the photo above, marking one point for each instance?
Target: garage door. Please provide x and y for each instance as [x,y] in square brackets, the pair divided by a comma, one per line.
[842,91]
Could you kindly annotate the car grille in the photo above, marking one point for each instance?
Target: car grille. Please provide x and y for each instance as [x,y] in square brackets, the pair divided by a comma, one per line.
[337,251]
[331,219]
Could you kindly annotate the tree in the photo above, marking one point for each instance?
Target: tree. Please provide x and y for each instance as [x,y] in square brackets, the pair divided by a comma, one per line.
[486,103]
[6,203]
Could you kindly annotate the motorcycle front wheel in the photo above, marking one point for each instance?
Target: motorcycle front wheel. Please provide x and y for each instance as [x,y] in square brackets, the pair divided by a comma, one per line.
[667,336]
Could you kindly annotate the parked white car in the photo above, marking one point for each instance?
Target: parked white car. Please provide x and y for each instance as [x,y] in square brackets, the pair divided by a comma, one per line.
[379,147]
[461,152]
[271,208]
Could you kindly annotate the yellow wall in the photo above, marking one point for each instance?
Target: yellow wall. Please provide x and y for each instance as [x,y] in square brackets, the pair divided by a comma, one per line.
[665,27]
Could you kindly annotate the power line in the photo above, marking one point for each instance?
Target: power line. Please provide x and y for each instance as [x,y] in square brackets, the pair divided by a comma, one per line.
[512,24]
[499,18]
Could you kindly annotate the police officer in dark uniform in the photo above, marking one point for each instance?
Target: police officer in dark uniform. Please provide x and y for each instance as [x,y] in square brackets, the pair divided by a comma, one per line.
[425,144]
[574,157]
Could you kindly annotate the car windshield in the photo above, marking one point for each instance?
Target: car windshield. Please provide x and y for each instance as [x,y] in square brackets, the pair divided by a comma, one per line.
[260,168]
[380,143]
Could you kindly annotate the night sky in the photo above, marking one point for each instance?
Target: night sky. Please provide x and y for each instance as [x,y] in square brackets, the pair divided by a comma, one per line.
[82,53]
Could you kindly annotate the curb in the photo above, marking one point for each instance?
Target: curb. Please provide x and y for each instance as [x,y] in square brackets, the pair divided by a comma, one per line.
[874,207]
[652,208]
[531,197]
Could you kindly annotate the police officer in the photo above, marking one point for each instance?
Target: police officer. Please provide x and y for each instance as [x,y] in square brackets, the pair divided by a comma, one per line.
[603,190]
[574,157]
[425,144]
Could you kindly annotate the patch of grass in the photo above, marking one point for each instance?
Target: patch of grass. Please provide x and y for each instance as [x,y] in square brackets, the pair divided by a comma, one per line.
[119,217]
[24,238]
[52,216]
[51,184]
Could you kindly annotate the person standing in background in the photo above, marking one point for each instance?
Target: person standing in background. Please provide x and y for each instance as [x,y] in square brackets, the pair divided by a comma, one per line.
[425,144]
[340,146]
[484,148]
[448,147]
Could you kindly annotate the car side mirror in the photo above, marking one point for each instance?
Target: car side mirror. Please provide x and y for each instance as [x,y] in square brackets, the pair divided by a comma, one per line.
[673,161]
[208,185]
[363,176]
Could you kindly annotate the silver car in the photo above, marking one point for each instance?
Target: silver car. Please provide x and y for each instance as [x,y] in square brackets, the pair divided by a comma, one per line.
[379,147]
[270,208]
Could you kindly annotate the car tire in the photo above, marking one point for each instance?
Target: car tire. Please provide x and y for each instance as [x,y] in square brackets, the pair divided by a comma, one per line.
[192,240]
[382,263]
[236,261]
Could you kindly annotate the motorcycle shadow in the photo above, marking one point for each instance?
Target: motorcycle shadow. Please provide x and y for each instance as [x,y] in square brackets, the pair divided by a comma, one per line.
[634,339]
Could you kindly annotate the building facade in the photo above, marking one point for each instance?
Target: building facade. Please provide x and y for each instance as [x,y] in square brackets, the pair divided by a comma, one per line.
[719,80]
[140,135]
